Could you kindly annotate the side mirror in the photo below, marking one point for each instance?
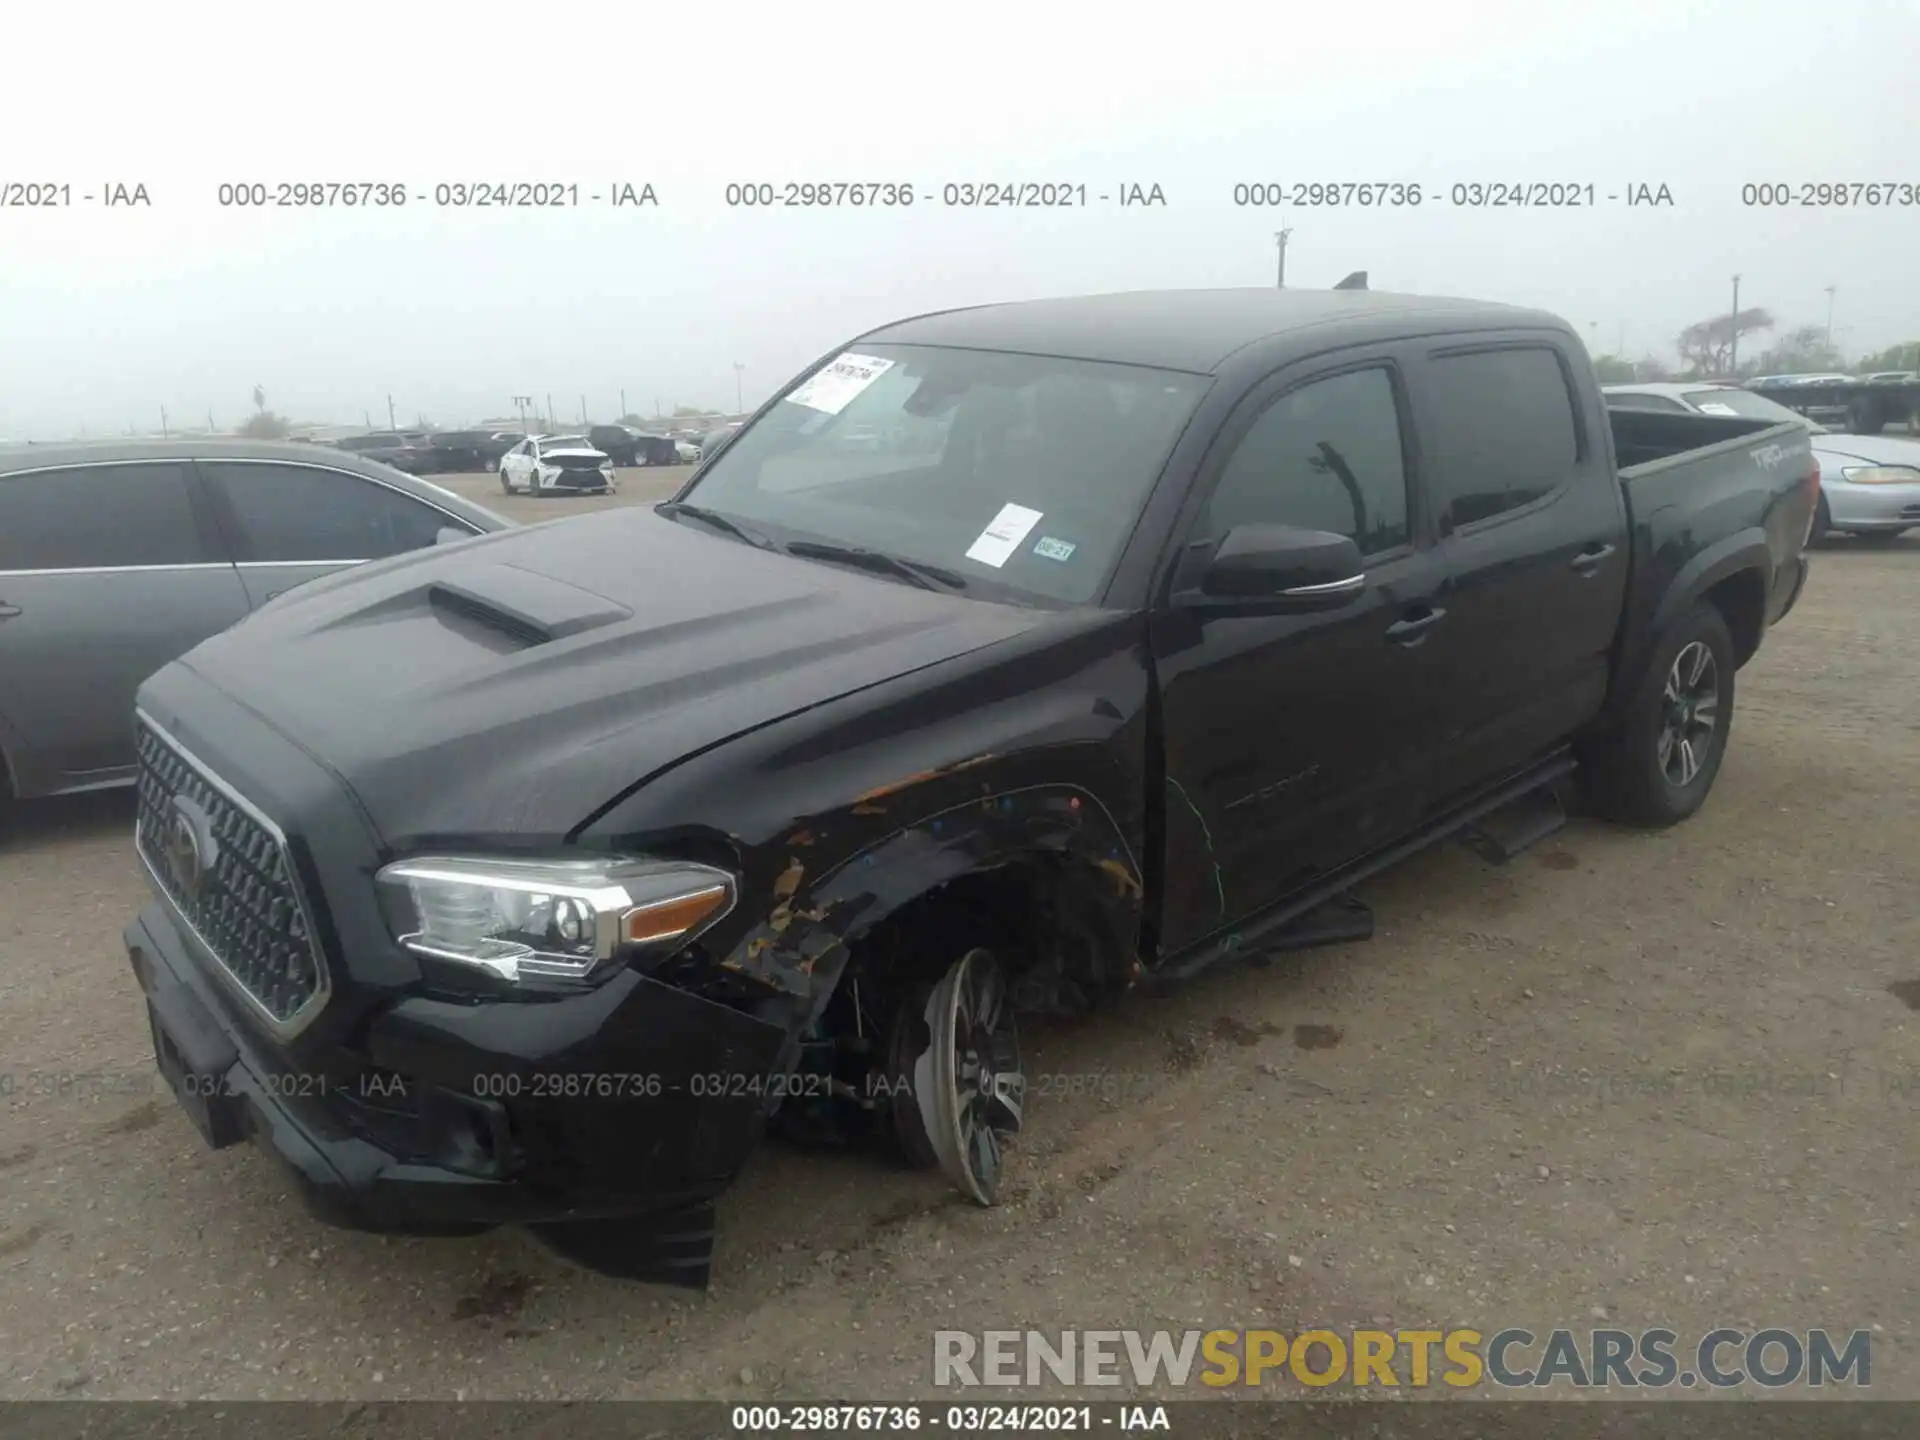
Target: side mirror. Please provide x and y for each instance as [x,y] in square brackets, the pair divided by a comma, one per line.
[450,535]
[1280,567]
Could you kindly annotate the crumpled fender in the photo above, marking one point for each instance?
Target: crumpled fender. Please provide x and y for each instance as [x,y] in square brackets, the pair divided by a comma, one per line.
[801,945]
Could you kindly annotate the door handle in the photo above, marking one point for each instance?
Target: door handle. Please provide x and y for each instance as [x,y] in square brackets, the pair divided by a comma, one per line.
[1591,557]
[1413,630]
[7,612]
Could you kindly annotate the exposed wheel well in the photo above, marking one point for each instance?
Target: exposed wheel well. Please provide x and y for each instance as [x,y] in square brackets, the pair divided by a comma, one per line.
[1047,918]
[1741,599]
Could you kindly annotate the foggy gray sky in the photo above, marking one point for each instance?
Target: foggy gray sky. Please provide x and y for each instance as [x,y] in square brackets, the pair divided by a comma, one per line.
[108,315]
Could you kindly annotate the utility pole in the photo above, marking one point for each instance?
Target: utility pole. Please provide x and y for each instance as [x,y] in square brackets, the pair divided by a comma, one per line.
[739,404]
[520,403]
[1733,344]
[583,409]
[164,435]
[1280,242]
[211,427]
[1830,290]
[623,404]
[550,419]
[367,416]
[391,423]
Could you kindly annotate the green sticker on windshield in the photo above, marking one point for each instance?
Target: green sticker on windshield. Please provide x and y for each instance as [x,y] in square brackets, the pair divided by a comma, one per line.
[1053,549]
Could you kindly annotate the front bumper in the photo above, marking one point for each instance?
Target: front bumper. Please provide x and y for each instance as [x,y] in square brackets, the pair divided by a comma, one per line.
[1872,507]
[574,480]
[451,1117]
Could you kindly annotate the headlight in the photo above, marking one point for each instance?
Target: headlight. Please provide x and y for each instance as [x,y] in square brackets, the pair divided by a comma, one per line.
[1881,474]
[557,920]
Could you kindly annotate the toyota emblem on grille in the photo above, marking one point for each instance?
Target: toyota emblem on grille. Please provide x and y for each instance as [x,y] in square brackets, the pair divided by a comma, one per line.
[189,846]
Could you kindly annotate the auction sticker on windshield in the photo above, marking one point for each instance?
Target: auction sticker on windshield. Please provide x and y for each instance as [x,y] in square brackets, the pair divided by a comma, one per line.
[1003,535]
[836,386]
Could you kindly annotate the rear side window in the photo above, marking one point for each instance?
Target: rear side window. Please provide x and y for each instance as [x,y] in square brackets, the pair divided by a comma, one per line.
[288,514]
[98,517]
[1324,457]
[1504,434]
[1645,402]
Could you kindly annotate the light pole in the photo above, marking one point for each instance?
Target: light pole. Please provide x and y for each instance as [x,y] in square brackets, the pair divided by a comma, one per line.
[1733,325]
[520,403]
[1830,290]
[739,395]
[1280,270]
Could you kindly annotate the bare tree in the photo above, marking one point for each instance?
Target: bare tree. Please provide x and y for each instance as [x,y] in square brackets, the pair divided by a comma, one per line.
[1706,347]
[260,397]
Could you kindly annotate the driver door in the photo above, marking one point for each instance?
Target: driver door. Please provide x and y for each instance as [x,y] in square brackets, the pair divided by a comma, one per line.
[1297,742]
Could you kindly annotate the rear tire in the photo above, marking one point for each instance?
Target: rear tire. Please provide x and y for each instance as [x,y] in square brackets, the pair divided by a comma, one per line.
[1822,523]
[1656,768]
[506,482]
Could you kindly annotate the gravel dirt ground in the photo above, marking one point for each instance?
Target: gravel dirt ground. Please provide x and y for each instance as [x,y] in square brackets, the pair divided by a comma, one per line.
[1665,1078]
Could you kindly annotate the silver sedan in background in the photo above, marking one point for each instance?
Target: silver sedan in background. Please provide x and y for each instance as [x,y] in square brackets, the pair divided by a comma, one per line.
[116,558]
[1869,484]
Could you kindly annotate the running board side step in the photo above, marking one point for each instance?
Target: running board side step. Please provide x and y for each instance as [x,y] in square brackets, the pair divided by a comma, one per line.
[1517,826]
[1266,933]
[1339,921]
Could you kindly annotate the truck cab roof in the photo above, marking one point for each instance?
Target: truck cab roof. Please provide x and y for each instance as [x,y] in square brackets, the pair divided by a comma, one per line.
[1198,331]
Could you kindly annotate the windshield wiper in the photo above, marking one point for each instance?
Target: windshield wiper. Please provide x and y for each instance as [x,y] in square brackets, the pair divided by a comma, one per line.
[674,508]
[927,577]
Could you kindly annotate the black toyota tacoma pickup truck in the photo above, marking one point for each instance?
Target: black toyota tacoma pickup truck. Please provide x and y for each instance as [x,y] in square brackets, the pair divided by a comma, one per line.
[529,880]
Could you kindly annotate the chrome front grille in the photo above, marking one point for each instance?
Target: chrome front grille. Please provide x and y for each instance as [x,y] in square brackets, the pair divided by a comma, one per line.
[225,867]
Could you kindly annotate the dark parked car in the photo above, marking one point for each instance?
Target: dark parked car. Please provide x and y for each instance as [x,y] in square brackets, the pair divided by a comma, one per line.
[408,450]
[115,558]
[465,452]
[629,446]
[557,865]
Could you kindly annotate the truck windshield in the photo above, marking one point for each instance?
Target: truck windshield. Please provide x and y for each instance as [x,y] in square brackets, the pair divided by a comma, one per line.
[1019,471]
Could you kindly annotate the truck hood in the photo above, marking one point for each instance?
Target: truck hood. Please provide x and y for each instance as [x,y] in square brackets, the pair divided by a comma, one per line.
[512,685]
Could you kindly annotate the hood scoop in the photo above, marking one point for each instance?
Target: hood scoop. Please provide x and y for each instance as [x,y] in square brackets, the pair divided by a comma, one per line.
[522,605]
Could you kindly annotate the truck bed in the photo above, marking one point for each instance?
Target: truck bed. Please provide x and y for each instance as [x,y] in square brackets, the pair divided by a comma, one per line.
[1701,491]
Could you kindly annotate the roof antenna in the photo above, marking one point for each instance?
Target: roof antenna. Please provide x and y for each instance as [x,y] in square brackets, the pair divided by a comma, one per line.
[1356,281]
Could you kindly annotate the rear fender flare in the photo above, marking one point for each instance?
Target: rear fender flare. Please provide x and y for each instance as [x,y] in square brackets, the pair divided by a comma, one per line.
[1746,550]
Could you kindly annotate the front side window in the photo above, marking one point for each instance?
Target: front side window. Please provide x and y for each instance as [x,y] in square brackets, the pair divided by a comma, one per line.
[1022,474]
[1326,456]
[291,514]
[98,517]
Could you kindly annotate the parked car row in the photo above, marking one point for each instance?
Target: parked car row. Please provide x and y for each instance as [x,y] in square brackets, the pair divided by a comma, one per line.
[458,452]
[1869,484]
